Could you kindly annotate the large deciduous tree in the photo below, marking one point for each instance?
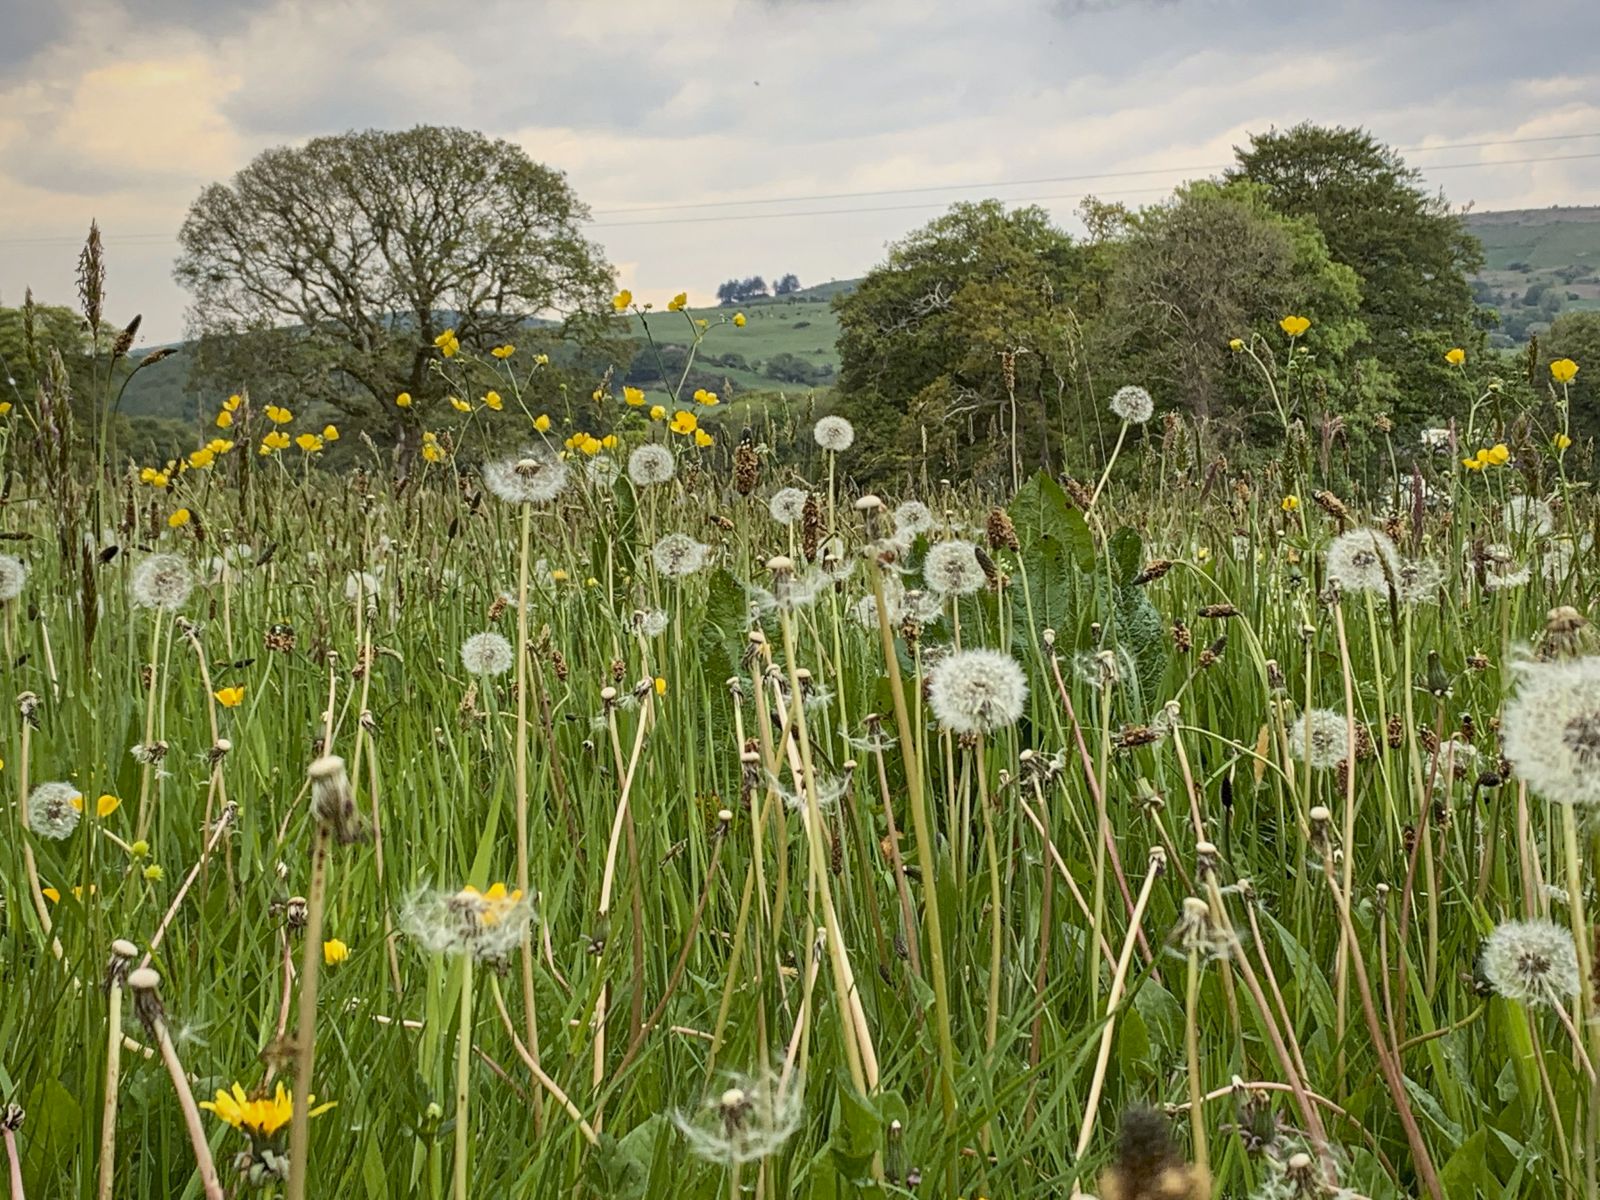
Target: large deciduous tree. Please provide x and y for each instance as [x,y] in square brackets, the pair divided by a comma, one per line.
[955,351]
[1410,250]
[324,272]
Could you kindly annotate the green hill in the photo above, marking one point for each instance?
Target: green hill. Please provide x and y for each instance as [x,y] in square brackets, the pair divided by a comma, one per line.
[1538,262]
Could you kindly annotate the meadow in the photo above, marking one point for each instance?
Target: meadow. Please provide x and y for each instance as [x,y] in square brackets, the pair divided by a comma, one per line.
[636,812]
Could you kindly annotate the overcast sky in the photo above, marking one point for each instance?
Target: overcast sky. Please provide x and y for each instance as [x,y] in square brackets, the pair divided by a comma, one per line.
[122,110]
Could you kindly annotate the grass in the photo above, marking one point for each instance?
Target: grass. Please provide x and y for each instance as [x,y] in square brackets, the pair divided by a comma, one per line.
[806,328]
[942,955]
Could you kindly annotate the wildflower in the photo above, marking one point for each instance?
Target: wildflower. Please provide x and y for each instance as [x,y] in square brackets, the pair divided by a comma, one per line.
[787,504]
[701,396]
[278,415]
[541,360]
[224,419]
[977,691]
[633,396]
[1498,455]
[678,554]
[1133,405]
[911,518]
[460,405]
[505,351]
[403,400]
[1418,581]
[202,458]
[749,1120]
[447,342]
[651,464]
[260,1116]
[330,433]
[738,321]
[432,451]
[1294,326]
[834,434]
[533,479]
[103,807]
[1320,738]
[1455,356]
[660,686]
[1290,503]
[622,300]
[13,576]
[219,445]
[493,401]
[311,443]
[1363,560]
[678,303]
[542,422]
[360,583]
[334,952]
[153,873]
[1532,962]
[230,697]
[1236,344]
[487,654]
[488,925]
[683,421]
[1560,441]
[161,581]
[657,412]
[952,568]
[54,810]
[1563,370]
[587,444]
[1551,730]
[702,438]
[274,441]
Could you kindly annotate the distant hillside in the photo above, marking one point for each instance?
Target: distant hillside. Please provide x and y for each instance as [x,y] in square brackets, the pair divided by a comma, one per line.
[1538,262]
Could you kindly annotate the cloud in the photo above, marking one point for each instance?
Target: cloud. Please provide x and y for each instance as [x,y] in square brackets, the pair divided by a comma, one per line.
[124,108]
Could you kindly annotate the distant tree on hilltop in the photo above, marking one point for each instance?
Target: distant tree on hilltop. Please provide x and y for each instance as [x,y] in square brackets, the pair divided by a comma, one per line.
[787,285]
[737,291]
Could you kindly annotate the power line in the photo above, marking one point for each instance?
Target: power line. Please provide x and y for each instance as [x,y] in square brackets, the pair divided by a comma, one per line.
[162,239]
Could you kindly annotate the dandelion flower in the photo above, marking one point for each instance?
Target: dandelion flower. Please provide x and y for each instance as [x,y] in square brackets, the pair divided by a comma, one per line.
[535,478]
[54,810]
[13,574]
[750,1119]
[1320,737]
[162,581]
[259,1116]
[913,517]
[360,583]
[487,654]
[1133,405]
[952,568]
[787,505]
[977,691]
[834,434]
[1532,962]
[1551,730]
[1418,581]
[650,464]
[1363,560]
[678,554]
[488,925]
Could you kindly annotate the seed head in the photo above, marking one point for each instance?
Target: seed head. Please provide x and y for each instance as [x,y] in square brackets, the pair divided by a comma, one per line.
[952,568]
[1133,405]
[535,478]
[834,434]
[1532,962]
[787,505]
[487,653]
[162,581]
[977,691]
[13,575]
[1551,729]
[651,464]
[54,810]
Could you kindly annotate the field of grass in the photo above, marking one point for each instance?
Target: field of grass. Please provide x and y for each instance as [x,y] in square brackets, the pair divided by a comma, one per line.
[650,819]
[805,327]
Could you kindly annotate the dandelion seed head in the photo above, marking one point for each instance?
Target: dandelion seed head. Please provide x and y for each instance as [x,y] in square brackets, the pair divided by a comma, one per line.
[1504,581]
[535,478]
[1550,729]
[678,555]
[1363,560]
[651,464]
[162,581]
[787,505]
[488,925]
[487,653]
[602,470]
[834,434]
[747,1120]
[359,584]
[1133,405]
[1417,581]
[1531,962]
[1528,516]
[977,691]
[13,575]
[952,568]
[1320,737]
[913,517]
[54,810]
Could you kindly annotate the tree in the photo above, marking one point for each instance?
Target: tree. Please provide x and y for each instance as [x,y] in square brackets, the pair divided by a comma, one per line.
[330,268]
[954,352]
[1576,335]
[1215,263]
[787,285]
[24,356]
[736,291]
[1411,253]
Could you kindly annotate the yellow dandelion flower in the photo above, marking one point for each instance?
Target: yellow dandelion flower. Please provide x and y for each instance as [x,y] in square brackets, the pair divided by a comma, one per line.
[258,1116]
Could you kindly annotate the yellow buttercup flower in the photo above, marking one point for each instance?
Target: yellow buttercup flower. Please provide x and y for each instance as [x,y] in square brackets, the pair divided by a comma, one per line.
[224,419]
[1290,503]
[1475,463]
[460,405]
[309,442]
[1563,370]
[541,360]
[1561,441]
[231,404]
[230,697]
[1455,356]
[330,433]
[5,407]
[492,399]
[201,458]
[678,303]
[622,300]
[683,421]
[219,445]
[51,894]
[178,519]
[542,423]
[738,320]
[633,396]
[505,351]
[278,415]
[432,451]
[1498,454]
[274,441]
[1235,343]
[661,686]
[558,576]
[103,807]
[657,412]
[447,342]
[334,952]
[259,1116]
[403,400]
[588,444]
[609,442]
[702,438]
[1294,326]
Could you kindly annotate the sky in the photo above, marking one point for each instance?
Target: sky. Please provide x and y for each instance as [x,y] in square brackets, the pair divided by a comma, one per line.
[739,137]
